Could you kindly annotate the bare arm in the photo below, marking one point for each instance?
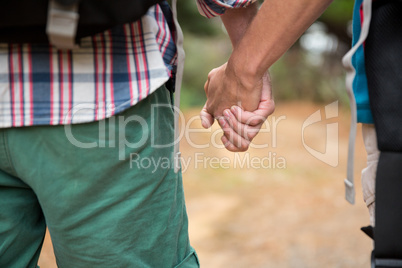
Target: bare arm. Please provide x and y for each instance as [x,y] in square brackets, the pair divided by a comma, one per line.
[239,128]
[237,20]
[258,42]
[278,24]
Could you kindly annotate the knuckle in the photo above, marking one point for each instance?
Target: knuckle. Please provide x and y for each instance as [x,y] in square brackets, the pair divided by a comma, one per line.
[251,135]
[257,120]
[244,146]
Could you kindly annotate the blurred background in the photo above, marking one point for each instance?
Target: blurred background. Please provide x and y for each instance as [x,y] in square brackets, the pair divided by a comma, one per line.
[288,211]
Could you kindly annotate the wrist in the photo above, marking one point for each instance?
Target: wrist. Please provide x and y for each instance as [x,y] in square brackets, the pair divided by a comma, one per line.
[245,72]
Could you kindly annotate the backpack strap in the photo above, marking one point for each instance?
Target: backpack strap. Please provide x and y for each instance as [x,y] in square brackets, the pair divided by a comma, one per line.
[62,22]
[351,72]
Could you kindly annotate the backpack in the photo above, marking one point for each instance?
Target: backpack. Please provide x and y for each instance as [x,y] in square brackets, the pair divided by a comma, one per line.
[64,22]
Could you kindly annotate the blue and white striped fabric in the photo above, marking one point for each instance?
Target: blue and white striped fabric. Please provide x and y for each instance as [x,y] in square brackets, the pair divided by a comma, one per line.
[110,72]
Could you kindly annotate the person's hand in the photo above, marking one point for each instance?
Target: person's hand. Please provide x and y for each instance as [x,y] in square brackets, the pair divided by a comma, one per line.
[239,126]
[225,89]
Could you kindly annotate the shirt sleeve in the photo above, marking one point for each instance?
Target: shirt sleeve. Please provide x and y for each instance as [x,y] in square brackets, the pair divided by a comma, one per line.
[213,8]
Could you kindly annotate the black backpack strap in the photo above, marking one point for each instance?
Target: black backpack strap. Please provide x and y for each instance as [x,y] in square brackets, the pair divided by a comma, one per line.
[25,21]
[383,56]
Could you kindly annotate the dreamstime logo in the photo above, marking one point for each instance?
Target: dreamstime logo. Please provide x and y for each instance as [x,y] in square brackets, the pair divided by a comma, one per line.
[330,155]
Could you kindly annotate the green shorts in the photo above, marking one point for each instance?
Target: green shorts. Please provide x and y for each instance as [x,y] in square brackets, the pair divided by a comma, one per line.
[106,190]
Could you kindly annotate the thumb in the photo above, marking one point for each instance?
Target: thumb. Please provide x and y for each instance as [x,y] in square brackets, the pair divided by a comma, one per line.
[267,104]
[206,118]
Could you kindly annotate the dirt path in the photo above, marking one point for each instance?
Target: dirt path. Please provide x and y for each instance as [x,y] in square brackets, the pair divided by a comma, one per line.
[272,207]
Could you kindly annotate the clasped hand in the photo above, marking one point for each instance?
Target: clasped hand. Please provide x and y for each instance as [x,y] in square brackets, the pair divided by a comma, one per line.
[240,108]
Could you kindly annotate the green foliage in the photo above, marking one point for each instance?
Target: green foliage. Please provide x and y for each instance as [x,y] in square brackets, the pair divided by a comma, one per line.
[202,55]
[294,77]
[339,12]
[192,22]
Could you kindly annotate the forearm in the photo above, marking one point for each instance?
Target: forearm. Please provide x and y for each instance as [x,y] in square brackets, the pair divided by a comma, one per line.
[237,20]
[277,25]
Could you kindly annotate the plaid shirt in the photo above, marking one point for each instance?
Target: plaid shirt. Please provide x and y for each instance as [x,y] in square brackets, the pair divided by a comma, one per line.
[110,72]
